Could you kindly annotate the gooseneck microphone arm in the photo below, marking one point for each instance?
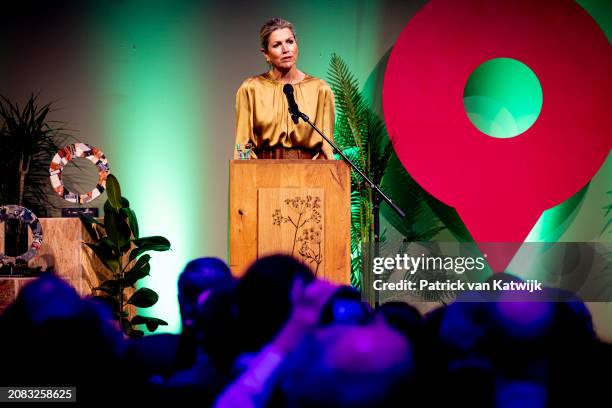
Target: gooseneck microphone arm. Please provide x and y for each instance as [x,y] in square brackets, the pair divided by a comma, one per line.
[296,114]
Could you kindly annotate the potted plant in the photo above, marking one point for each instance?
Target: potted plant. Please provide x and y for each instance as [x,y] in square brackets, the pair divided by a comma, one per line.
[28,140]
[123,253]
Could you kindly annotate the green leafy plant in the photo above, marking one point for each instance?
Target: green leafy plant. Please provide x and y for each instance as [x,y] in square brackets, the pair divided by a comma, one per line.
[29,139]
[123,253]
[362,136]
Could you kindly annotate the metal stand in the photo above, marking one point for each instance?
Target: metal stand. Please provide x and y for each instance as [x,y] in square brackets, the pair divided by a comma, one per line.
[378,195]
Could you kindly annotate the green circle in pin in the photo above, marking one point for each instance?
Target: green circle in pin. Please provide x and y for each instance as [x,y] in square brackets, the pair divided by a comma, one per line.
[502,97]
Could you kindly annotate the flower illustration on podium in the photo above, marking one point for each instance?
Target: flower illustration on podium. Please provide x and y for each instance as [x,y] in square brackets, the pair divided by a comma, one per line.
[302,219]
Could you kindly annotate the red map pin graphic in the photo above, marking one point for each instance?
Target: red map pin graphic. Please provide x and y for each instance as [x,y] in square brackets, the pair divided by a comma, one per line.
[500,187]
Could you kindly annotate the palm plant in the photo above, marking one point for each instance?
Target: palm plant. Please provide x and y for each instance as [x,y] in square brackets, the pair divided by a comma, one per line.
[29,140]
[362,136]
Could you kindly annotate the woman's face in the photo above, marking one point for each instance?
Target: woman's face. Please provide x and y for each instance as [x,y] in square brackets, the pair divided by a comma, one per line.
[282,49]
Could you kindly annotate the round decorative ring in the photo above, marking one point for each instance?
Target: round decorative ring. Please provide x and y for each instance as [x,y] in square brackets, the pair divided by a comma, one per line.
[26,216]
[64,156]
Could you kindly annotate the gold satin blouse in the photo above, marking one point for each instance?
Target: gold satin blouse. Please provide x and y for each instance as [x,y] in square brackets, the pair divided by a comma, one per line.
[263,119]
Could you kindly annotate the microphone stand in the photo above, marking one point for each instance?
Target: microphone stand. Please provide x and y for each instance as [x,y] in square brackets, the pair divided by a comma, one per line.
[378,194]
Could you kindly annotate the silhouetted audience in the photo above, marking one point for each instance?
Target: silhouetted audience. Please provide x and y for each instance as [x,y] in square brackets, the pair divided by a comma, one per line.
[368,365]
[345,307]
[51,337]
[278,337]
[264,298]
[162,355]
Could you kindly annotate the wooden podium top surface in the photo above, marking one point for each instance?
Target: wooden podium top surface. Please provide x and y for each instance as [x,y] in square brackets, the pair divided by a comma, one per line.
[286,161]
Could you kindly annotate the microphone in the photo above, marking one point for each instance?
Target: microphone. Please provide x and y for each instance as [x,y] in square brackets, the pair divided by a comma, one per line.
[293,108]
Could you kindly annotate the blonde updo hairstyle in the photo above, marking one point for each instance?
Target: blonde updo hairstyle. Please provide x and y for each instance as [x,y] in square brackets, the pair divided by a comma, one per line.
[271,26]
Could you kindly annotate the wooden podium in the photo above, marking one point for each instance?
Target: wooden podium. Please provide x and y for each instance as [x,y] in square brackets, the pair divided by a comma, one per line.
[296,207]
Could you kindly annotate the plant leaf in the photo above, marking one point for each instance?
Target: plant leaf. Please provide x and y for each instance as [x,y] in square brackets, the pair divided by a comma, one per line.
[362,136]
[421,222]
[158,242]
[113,191]
[154,243]
[350,106]
[105,253]
[136,334]
[138,271]
[152,323]
[88,219]
[89,222]
[117,228]
[110,286]
[132,220]
[136,252]
[108,207]
[449,217]
[28,133]
[144,297]
[109,301]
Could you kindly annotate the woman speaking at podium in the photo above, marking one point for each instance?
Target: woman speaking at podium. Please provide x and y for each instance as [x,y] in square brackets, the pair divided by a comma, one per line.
[262,111]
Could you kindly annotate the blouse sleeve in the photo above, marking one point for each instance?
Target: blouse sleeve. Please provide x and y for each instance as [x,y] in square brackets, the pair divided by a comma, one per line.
[244,118]
[328,122]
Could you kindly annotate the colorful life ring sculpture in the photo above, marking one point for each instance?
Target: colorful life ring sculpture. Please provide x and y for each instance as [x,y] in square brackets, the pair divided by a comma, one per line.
[64,156]
[26,216]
